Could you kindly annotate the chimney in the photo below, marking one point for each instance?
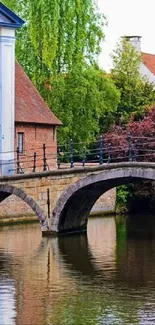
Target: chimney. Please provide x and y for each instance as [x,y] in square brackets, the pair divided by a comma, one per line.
[9,22]
[135,41]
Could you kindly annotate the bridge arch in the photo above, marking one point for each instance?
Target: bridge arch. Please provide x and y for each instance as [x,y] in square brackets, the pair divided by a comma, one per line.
[6,190]
[74,205]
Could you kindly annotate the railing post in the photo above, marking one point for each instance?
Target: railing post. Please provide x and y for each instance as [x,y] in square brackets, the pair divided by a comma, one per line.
[109,153]
[84,157]
[101,149]
[135,150]
[44,158]
[58,158]
[71,154]
[18,161]
[48,202]
[129,146]
[34,162]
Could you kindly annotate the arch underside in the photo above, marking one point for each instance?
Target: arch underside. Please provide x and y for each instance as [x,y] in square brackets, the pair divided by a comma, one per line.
[74,206]
[77,209]
[7,190]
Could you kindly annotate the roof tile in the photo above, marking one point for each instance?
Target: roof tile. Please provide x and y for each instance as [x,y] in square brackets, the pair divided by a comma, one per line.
[29,105]
[149,61]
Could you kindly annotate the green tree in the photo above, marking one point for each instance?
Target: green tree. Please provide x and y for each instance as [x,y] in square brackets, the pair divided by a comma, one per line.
[80,99]
[58,48]
[57,34]
[137,93]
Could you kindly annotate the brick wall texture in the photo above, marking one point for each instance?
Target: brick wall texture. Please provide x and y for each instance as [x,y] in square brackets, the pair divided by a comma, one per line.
[34,138]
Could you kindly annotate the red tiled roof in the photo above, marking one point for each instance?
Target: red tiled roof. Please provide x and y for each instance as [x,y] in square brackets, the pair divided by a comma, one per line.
[29,105]
[149,61]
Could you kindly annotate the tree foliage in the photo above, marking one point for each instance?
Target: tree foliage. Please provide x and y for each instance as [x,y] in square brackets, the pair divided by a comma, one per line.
[137,94]
[58,47]
[80,99]
[70,33]
[143,132]
[58,34]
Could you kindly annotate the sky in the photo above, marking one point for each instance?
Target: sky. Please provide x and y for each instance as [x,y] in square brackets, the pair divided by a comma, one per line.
[127,17]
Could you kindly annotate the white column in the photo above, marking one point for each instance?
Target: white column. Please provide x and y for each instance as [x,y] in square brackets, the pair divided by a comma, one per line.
[7,100]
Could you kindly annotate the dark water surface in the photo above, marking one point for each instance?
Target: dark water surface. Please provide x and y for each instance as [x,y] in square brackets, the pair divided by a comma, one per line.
[106,277]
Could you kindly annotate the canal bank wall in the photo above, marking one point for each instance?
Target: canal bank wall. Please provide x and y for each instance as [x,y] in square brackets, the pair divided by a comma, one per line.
[14,210]
[106,204]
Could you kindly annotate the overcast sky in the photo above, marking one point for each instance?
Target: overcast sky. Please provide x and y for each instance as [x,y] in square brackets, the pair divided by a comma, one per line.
[127,17]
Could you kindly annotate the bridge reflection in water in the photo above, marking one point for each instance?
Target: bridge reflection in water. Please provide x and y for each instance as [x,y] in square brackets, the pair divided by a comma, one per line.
[91,279]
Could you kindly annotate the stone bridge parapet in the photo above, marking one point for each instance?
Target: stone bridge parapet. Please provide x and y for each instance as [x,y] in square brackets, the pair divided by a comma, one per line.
[72,192]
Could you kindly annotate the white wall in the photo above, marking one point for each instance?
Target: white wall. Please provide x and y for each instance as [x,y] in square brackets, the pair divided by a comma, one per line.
[145,72]
[7,98]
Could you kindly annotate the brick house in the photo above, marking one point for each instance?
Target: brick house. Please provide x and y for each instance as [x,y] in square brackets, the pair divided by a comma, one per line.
[35,124]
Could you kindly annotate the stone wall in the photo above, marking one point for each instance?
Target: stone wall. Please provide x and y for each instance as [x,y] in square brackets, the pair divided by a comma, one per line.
[106,204]
[14,208]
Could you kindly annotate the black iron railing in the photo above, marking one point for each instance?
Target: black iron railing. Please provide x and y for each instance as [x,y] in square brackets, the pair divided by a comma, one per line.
[74,154]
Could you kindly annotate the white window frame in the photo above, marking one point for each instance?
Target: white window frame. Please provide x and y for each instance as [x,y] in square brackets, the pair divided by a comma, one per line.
[21,142]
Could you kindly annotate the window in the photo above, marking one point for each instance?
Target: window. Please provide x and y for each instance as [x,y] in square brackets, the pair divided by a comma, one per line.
[21,142]
[54,133]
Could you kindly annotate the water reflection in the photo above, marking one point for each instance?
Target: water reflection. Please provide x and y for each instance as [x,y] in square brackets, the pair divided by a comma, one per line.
[7,302]
[106,277]
[93,253]
[136,251]
[77,255]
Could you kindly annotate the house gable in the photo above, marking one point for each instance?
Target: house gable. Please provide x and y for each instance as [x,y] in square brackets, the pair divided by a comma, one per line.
[146,73]
[8,18]
[147,67]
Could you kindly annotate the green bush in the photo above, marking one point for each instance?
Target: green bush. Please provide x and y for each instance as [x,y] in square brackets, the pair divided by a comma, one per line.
[123,198]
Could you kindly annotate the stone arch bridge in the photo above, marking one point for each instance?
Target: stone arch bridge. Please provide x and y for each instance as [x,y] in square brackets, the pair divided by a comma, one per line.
[62,199]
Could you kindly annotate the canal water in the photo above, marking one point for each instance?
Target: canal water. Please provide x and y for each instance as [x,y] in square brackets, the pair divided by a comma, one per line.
[106,277]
